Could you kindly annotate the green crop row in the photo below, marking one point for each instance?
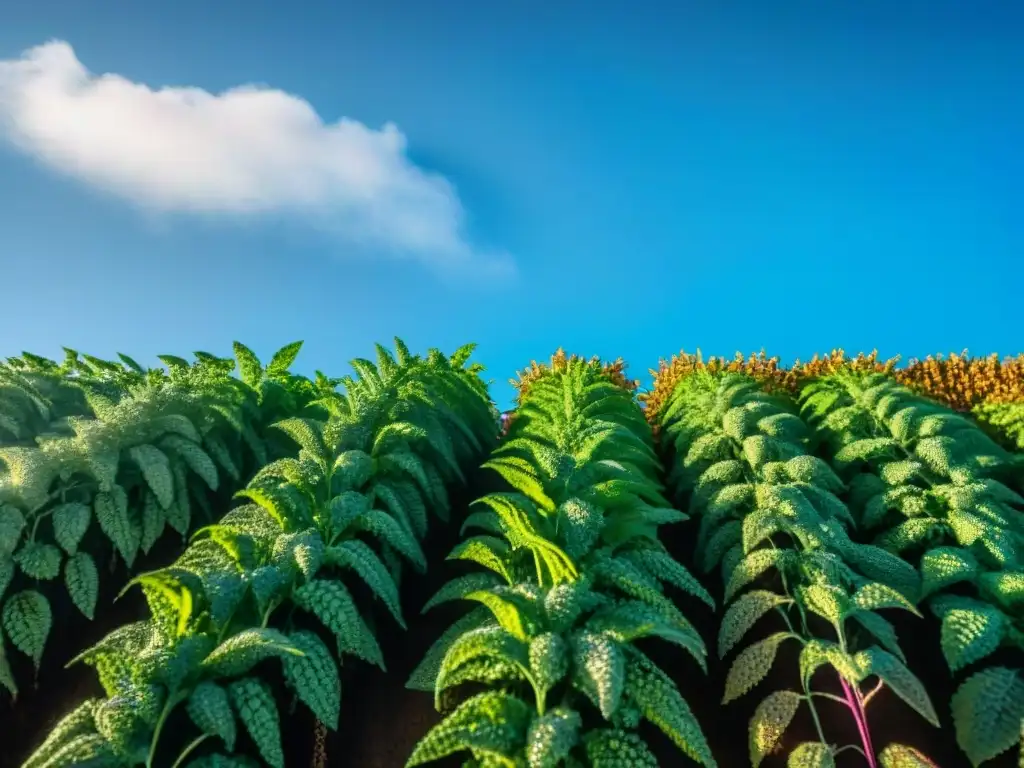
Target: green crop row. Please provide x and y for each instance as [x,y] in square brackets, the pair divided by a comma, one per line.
[770,520]
[826,516]
[132,450]
[929,485]
[271,580]
[572,575]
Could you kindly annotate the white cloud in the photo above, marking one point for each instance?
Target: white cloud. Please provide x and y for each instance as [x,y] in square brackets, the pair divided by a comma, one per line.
[249,150]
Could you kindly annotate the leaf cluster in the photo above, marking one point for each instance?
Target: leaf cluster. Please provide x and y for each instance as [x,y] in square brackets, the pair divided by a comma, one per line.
[574,575]
[272,580]
[933,487]
[771,521]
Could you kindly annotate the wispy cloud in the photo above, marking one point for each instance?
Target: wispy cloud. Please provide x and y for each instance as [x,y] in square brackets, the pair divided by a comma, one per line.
[247,151]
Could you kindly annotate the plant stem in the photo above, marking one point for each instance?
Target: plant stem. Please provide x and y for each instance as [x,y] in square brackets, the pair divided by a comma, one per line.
[872,692]
[156,731]
[195,743]
[854,702]
[814,714]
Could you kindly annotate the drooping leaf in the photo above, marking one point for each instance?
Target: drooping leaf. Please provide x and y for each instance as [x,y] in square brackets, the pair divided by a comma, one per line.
[314,677]
[83,582]
[811,754]
[987,713]
[551,737]
[659,702]
[902,756]
[209,708]
[78,722]
[70,522]
[599,665]
[741,616]
[27,620]
[971,630]
[156,470]
[424,676]
[332,603]
[39,561]
[358,556]
[490,723]
[116,524]
[771,718]
[901,680]
[254,703]
[752,665]
[239,653]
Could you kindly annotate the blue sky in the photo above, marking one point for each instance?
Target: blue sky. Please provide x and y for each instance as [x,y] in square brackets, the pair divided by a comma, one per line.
[646,177]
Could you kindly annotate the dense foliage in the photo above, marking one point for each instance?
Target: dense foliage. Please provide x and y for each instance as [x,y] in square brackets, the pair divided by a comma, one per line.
[929,485]
[132,450]
[574,575]
[767,508]
[825,507]
[353,503]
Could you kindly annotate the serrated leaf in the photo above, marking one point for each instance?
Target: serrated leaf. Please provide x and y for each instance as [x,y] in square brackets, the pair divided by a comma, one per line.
[811,754]
[83,582]
[156,470]
[70,522]
[488,551]
[770,720]
[195,457]
[489,723]
[551,737]
[943,566]
[667,569]
[77,722]
[875,596]
[314,677]
[743,614]
[902,681]
[116,524]
[751,567]
[489,643]
[459,587]
[902,756]
[240,653]
[39,561]
[284,357]
[308,434]
[599,665]
[659,701]
[752,665]
[331,602]
[883,631]
[6,674]
[154,520]
[27,620]
[209,708]
[12,523]
[249,367]
[987,713]
[614,748]
[254,703]
[6,574]
[358,556]
[89,750]
[423,678]
[831,603]
[971,630]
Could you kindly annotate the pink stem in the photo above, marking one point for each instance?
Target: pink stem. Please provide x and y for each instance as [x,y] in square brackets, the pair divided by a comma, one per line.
[856,705]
